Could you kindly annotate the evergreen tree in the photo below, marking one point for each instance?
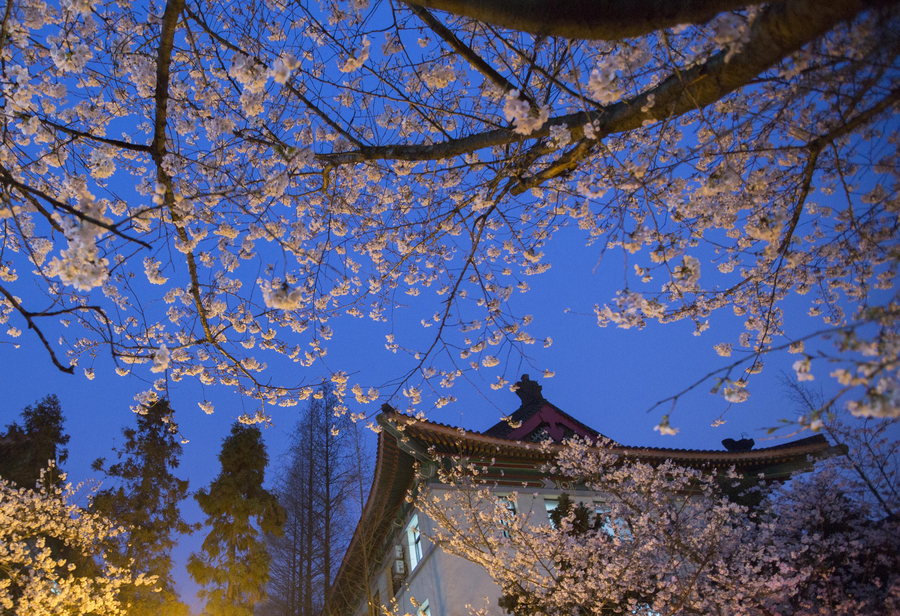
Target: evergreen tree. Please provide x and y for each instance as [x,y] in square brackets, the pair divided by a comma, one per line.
[27,449]
[146,503]
[234,564]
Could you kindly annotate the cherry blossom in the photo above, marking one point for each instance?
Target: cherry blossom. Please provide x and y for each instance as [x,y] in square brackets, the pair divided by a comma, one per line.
[233,186]
[38,580]
[663,539]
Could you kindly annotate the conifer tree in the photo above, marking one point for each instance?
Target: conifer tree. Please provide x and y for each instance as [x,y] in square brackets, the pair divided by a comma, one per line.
[233,566]
[30,448]
[145,502]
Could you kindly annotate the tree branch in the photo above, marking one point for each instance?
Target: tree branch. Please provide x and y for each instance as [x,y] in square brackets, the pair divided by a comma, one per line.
[781,30]
[31,325]
[6,177]
[476,61]
[815,147]
[158,152]
[163,66]
[586,19]
[289,86]
[73,132]
[778,32]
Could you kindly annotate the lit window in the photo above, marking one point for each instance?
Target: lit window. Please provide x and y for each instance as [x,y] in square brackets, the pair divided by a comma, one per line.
[414,539]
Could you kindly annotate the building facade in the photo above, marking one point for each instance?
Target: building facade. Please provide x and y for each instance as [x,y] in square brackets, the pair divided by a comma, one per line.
[391,562]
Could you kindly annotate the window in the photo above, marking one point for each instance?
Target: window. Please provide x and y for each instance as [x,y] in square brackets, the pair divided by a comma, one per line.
[551,503]
[611,527]
[510,504]
[414,540]
[424,609]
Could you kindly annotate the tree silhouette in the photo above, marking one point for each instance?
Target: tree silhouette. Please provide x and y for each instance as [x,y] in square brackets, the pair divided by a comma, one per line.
[145,499]
[233,566]
[27,450]
[316,487]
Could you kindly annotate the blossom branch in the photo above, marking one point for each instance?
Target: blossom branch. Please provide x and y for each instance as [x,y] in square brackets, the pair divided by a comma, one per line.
[73,132]
[475,60]
[163,64]
[31,325]
[727,369]
[781,30]
[7,178]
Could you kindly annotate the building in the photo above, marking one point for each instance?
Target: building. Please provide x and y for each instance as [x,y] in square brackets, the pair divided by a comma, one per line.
[390,558]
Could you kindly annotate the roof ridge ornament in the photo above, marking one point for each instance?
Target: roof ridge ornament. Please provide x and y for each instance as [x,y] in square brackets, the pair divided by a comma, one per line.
[529,391]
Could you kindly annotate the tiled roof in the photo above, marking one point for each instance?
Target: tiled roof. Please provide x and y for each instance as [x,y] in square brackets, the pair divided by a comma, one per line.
[448,440]
[504,427]
[533,403]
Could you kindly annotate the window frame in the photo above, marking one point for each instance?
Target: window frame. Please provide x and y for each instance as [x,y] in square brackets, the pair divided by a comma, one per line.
[414,545]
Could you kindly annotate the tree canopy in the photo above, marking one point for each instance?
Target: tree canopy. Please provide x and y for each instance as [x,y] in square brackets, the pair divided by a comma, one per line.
[200,190]
[36,448]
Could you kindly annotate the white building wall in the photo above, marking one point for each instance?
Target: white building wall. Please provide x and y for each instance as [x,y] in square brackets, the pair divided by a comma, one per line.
[448,583]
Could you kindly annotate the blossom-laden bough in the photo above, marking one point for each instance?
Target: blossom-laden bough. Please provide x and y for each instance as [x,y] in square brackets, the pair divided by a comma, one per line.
[51,558]
[206,189]
[668,540]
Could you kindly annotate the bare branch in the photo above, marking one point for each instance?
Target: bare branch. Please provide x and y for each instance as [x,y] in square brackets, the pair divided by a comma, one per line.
[31,325]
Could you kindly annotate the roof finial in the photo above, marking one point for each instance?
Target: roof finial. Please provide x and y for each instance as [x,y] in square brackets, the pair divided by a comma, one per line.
[528,390]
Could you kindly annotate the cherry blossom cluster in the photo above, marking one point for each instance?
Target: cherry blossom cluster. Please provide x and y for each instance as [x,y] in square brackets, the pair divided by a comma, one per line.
[39,579]
[202,192]
[664,539]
